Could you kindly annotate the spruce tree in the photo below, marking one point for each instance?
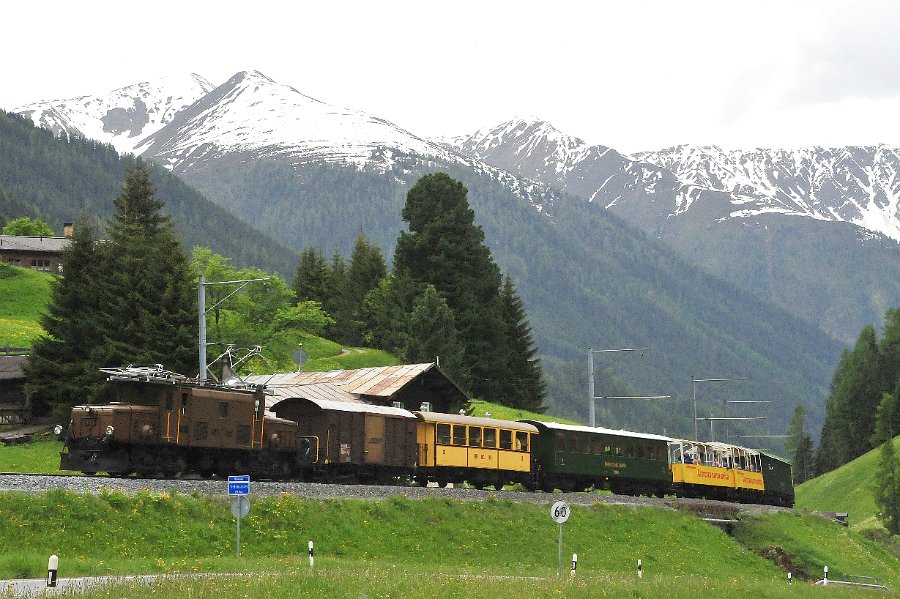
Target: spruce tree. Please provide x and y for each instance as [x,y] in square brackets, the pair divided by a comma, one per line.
[150,290]
[799,446]
[62,370]
[523,384]
[432,336]
[887,489]
[367,269]
[444,247]
[310,281]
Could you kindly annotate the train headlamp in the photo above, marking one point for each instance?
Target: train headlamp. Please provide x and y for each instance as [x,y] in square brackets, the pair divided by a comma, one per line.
[110,430]
[57,430]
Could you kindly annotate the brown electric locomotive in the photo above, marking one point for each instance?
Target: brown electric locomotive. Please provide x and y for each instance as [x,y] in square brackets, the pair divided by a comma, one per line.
[176,425]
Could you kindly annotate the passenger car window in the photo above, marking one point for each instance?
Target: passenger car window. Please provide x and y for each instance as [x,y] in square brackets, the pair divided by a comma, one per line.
[490,438]
[443,434]
[459,434]
[505,439]
[475,436]
[521,441]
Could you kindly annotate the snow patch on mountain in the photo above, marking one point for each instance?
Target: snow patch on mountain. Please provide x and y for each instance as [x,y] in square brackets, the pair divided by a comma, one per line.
[857,185]
[123,117]
[253,114]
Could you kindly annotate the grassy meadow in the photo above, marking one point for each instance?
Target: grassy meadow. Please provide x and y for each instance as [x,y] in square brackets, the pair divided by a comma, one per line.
[416,548]
[23,295]
[847,489]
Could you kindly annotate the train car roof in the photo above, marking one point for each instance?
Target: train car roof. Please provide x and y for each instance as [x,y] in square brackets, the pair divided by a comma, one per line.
[346,406]
[596,430]
[474,421]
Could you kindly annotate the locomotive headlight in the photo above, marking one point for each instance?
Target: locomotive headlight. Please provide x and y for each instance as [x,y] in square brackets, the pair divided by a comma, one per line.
[57,430]
[110,430]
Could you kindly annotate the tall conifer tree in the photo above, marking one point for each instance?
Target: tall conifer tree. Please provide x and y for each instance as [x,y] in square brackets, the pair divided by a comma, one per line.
[887,486]
[151,294]
[62,369]
[444,247]
[310,281]
[523,384]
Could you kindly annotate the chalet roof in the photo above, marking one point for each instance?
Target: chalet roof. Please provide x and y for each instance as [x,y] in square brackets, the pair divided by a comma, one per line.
[375,384]
[12,368]
[21,243]
[382,381]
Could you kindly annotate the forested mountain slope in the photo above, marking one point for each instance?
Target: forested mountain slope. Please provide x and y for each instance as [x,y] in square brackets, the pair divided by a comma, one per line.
[57,179]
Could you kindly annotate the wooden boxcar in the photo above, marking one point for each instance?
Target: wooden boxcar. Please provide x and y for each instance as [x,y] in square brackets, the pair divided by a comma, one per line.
[482,451]
[570,457]
[354,440]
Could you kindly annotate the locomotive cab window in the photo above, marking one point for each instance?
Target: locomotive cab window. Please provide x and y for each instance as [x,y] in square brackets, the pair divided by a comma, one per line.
[443,434]
[505,439]
[490,438]
[475,436]
[459,434]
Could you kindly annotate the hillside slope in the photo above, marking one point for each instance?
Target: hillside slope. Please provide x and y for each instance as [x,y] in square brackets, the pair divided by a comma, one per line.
[848,489]
[58,180]
[23,295]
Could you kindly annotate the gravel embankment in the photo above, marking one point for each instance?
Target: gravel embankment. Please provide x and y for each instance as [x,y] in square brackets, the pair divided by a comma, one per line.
[29,483]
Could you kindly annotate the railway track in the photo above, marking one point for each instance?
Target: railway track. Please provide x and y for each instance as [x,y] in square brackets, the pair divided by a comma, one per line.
[40,483]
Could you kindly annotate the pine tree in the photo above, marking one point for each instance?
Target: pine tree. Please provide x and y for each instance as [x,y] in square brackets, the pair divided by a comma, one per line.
[151,293]
[799,446]
[432,336]
[523,385]
[310,281]
[444,247]
[367,269]
[887,490]
[61,369]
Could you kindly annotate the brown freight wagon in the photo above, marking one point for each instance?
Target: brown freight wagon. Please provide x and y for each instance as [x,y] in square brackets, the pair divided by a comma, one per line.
[354,440]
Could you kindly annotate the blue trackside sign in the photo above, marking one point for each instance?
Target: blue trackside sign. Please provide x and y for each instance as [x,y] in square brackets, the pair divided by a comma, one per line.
[239,485]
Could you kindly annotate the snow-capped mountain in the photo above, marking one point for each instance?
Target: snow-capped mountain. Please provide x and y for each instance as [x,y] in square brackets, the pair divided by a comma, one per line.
[856,185]
[123,117]
[252,114]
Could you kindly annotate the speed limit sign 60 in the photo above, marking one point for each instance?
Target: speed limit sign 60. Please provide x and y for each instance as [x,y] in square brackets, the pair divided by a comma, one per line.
[560,512]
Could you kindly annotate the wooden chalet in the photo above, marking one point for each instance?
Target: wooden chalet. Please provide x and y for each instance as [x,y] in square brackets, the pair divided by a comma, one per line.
[408,386]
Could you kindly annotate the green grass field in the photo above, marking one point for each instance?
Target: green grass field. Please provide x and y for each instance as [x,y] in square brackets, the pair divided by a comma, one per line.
[416,548]
[847,489]
[23,295]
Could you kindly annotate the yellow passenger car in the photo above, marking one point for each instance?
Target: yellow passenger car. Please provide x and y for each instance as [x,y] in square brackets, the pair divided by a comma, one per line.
[483,451]
[716,470]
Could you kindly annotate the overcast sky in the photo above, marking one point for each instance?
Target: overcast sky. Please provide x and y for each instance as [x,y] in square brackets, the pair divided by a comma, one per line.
[630,75]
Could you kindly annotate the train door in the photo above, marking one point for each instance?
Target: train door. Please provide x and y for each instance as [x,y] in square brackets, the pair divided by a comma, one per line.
[374,439]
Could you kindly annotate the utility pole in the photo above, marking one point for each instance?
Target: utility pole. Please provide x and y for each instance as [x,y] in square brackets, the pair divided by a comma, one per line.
[694,394]
[202,311]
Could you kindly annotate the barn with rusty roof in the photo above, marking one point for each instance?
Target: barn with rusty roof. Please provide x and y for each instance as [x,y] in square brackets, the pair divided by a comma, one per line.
[407,385]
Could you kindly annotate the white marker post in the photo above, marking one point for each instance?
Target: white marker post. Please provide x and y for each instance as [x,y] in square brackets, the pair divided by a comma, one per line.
[574,563]
[789,578]
[560,513]
[826,576]
[52,569]
[640,569]
[312,558]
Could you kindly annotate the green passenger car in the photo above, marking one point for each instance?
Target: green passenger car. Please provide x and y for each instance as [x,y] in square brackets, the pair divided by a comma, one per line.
[574,458]
[778,481]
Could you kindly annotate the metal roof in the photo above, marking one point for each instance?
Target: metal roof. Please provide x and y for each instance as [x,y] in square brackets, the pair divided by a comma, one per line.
[382,381]
[316,391]
[11,367]
[596,430]
[20,243]
[358,406]
[475,421]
